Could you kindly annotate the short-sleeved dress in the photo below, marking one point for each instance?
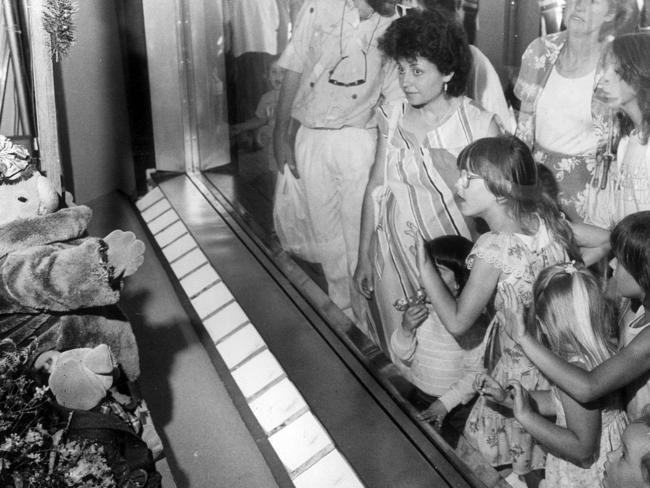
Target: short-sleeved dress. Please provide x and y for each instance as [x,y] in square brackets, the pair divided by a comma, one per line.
[564,474]
[492,430]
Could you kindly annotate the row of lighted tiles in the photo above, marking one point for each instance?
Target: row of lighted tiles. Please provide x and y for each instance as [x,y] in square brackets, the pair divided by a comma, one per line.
[298,438]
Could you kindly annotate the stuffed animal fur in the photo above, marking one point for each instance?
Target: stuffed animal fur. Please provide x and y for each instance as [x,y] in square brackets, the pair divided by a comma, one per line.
[55,284]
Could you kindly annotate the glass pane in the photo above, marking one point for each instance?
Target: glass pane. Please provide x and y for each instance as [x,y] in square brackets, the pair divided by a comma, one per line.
[257,31]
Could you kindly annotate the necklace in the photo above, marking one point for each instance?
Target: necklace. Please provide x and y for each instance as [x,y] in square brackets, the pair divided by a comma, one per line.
[433,118]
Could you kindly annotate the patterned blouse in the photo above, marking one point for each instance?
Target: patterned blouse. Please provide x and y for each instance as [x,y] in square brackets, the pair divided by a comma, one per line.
[577,175]
[537,63]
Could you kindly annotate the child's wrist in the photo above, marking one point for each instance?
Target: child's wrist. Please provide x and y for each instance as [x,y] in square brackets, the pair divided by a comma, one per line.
[525,418]
[408,329]
[525,340]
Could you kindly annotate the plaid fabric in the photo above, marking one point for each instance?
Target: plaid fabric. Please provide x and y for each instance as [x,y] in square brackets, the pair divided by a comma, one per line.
[126,413]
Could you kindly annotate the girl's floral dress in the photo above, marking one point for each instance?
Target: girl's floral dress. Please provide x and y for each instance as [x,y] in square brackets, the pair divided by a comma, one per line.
[564,474]
[490,428]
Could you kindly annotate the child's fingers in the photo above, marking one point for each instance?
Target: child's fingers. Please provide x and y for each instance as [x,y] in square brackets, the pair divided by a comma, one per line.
[494,394]
[514,384]
[506,294]
[420,313]
[517,391]
[480,382]
[501,318]
[426,415]
[418,307]
[491,388]
[513,298]
[504,291]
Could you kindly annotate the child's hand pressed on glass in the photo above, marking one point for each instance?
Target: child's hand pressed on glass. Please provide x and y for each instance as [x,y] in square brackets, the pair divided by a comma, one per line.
[435,413]
[414,316]
[521,401]
[490,388]
[512,317]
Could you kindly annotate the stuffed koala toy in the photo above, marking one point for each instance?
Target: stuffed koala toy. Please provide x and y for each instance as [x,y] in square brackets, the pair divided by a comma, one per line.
[55,284]
[26,192]
[79,378]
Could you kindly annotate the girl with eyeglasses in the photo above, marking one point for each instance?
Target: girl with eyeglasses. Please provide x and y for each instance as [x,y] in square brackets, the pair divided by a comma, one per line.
[499,183]
[572,315]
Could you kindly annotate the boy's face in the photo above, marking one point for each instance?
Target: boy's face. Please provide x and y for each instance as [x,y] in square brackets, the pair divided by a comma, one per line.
[623,466]
[448,277]
[625,284]
[276,75]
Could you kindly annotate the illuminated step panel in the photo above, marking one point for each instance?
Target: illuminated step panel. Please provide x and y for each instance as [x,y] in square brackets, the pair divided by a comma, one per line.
[298,438]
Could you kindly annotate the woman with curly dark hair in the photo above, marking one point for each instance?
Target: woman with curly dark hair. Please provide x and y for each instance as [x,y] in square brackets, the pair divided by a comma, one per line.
[625,86]
[410,191]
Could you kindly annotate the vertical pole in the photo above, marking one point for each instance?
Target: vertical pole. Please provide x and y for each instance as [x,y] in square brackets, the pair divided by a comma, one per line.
[17,62]
[511,34]
[187,84]
[47,126]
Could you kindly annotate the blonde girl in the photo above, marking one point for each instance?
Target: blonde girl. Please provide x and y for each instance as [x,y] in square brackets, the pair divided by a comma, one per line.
[630,367]
[571,313]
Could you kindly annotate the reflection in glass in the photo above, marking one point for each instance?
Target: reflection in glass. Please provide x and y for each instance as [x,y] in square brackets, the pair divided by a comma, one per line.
[256,32]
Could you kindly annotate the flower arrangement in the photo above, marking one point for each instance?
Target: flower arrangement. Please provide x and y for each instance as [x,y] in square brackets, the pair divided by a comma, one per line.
[14,160]
[34,452]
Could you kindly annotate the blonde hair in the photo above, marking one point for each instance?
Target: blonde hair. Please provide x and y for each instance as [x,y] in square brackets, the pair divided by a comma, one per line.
[573,313]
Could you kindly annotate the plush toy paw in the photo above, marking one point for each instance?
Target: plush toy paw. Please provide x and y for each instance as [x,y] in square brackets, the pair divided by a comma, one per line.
[125,253]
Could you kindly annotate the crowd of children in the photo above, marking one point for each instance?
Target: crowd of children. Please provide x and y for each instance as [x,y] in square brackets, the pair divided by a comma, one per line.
[564,365]
[557,388]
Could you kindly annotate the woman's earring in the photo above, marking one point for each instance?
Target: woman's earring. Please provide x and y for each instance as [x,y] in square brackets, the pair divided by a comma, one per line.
[444,87]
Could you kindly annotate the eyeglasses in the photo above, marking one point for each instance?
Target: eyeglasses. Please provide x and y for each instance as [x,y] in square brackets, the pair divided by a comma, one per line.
[361,81]
[401,10]
[466,177]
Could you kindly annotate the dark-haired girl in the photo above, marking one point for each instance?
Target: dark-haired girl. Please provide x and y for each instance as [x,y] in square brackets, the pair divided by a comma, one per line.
[625,87]
[434,356]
